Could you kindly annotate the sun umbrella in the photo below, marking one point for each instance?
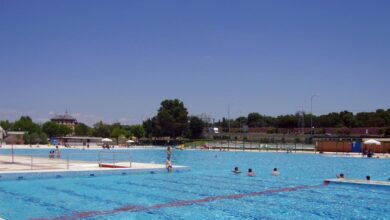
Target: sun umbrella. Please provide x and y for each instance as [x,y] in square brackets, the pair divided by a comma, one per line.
[372,141]
[130,141]
[106,140]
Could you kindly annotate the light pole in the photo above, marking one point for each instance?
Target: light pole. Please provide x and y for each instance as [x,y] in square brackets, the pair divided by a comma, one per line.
[311,113]
[229,119]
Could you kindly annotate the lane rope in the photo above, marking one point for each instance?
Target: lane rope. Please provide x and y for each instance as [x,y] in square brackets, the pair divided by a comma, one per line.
[136,208]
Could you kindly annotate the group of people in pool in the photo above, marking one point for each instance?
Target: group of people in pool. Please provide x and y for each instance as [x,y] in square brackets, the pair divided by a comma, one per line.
[341,177]
[236,170]
[55,153]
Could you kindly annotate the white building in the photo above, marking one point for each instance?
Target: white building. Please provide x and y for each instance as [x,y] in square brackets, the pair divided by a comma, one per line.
[213,130]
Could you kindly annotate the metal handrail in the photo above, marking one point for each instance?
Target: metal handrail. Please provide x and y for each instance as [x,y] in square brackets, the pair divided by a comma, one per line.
[113,157]
[101,157]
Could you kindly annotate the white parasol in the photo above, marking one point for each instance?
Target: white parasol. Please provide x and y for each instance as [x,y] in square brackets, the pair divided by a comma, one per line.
[106,140]
[372,141]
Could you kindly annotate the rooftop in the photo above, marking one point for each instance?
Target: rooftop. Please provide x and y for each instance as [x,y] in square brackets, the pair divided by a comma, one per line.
[66,117]
[16,132]
[82,138]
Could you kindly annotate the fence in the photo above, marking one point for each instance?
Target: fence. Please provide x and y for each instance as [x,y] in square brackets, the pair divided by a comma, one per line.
[249,146]
[66,161]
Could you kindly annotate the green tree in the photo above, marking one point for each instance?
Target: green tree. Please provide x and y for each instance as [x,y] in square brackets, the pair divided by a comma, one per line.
[240,122]
[34,138]
[51,129]
[195,127]
[116,133]
[347,118]
[286,121]
[101,130]
[43,138]
[149,126]
[6,125]
[171,119]
[25,123]
[64,130]
[27,138]
[82,130]
[255,120]
[138,131]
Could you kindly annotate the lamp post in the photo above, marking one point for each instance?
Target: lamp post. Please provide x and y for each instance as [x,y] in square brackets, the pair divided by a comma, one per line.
[311,113]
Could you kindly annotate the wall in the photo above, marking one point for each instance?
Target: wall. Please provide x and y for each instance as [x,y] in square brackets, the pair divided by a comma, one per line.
[383,148]
[334,146]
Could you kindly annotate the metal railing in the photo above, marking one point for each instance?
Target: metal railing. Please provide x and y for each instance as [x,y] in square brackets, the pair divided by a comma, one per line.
[65,161]
[113,157]
[254,146]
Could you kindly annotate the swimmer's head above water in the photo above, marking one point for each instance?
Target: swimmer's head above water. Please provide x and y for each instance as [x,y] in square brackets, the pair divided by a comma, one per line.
[236,170]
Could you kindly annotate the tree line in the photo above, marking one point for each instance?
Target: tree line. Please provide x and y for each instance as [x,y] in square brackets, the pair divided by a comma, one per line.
[379,118]
[40,133]
[172,120]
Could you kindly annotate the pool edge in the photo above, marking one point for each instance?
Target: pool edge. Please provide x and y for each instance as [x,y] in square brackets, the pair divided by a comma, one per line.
[27,175]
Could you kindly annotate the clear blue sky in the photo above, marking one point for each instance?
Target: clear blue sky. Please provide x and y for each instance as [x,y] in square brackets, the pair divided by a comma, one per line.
[116,60]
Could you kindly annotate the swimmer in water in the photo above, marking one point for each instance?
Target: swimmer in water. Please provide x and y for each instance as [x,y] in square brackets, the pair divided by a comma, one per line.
[168,165]
[368,178]
[236,170]
[250,172]
[340,176]
[275,172]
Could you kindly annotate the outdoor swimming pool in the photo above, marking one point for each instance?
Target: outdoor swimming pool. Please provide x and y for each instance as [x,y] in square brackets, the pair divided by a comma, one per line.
[209,191]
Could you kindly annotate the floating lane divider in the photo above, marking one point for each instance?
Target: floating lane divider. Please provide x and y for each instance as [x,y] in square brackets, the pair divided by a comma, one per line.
[135,208]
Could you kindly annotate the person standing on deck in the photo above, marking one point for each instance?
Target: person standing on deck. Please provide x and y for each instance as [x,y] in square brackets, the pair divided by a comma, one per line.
[169,152]
[168,162]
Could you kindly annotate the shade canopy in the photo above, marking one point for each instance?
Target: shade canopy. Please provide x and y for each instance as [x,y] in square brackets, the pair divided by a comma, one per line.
[106,140]
[130,141]
[372,141]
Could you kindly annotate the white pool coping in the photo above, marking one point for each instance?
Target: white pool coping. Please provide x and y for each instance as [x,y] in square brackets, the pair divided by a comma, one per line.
[23,168]
[44,174]
[358,182]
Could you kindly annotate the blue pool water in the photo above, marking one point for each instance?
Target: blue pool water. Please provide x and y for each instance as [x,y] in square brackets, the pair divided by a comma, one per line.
[209,191]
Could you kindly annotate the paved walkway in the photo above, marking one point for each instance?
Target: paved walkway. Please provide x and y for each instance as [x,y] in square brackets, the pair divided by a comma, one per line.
[35,164]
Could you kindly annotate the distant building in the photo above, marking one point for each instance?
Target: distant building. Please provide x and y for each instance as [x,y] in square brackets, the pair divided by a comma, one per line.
[213,130]
[66,120]
[72,141]
[14,137]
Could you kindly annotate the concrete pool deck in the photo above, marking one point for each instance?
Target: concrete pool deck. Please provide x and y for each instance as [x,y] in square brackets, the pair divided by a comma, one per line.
[21,168]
